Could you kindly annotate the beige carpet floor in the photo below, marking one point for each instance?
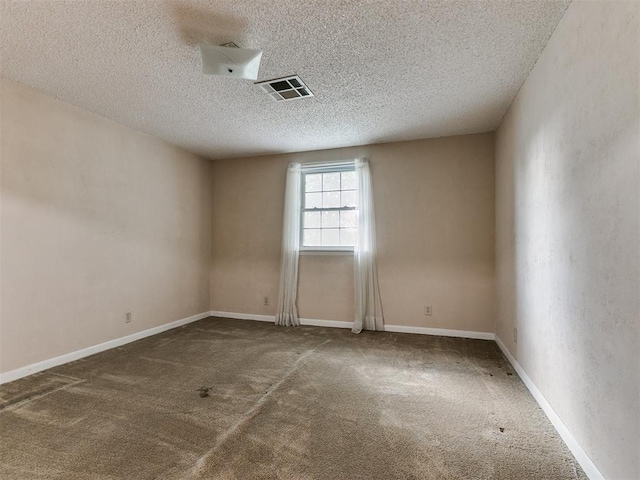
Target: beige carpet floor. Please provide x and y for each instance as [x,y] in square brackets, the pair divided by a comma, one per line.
[289,403]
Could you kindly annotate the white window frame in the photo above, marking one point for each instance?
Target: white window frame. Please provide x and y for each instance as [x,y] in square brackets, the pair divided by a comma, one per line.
[314,168]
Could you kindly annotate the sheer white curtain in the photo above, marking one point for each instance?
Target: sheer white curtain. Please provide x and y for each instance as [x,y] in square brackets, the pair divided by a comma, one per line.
[368,304]
[287,314]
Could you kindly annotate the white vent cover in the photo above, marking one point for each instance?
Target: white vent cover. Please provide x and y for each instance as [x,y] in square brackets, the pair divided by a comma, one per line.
[230,61]
[286,88]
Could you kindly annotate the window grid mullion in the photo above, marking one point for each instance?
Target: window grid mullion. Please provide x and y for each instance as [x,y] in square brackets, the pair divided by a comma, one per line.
[328,209]
[320,210]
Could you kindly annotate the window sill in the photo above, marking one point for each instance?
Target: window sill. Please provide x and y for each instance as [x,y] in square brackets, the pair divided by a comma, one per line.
[326,252]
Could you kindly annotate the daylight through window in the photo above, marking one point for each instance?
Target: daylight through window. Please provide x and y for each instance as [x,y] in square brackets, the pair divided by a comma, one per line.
[329,213]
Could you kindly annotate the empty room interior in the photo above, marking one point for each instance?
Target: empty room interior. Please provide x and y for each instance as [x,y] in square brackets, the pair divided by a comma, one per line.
[320,240]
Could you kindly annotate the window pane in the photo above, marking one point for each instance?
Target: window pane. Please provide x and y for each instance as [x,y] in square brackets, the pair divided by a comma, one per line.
[348,180]
[331,181]
[331,237]
[348,199]
[313,200]
[328,225]
[331,219]
[312,238]
[330,199]
[311,220]
[313,182]
[348,218]
[348,236]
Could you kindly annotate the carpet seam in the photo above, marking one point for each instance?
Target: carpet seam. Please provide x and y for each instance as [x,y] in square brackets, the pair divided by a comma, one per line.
[253,412]
[10,406]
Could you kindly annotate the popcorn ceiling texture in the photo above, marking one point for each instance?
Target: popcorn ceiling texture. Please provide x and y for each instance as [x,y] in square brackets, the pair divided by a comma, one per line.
[381,71]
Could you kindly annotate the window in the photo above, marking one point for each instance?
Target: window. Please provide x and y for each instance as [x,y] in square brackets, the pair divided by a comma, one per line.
[329,207]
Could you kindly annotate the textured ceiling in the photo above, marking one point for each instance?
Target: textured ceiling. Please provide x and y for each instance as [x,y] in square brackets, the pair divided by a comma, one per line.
[380,70]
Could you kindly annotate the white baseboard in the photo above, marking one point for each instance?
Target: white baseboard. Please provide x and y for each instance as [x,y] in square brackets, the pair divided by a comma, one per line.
[244,316]
[85,352]
[581,456]
[271,318]
[326,323]
[442,332]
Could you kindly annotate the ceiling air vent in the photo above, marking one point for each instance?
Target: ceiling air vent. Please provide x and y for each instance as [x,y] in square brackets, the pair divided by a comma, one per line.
[286,88]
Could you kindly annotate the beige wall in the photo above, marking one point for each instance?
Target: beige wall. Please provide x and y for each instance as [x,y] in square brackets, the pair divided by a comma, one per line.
[96,220]
[568,243]
[435,220]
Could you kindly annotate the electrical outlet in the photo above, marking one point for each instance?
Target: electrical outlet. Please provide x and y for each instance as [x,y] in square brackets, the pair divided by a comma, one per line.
[128,317]
[427,310]
[265,301]
[515,335]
